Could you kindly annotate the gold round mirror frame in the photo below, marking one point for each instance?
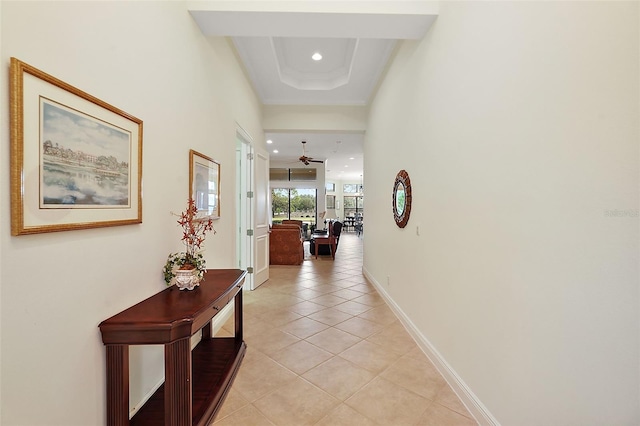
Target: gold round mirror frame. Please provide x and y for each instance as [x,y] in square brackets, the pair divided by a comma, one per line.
[402,198]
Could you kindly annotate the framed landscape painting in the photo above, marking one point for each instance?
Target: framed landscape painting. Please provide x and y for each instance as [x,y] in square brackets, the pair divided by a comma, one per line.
[76,161]
[204,184]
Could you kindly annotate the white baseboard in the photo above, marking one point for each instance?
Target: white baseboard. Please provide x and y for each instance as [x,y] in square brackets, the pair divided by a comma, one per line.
[144,399]
[221,318]
[480,413]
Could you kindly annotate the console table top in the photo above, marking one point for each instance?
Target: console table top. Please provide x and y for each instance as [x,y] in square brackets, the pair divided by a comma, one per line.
[173,314]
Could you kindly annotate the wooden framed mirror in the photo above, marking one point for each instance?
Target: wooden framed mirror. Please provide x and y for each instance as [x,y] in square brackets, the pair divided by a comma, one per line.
[402,198]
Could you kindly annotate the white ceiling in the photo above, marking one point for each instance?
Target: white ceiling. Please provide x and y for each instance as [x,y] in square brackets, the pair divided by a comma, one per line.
[275,41]
[283,73]
[341,152]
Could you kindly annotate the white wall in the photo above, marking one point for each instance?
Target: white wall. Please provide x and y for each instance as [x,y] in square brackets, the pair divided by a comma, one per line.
[519,124]
[4,121]
[150,60]
[314,118]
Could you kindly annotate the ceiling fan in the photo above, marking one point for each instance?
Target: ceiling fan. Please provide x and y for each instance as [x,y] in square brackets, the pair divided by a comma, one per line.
[306,160]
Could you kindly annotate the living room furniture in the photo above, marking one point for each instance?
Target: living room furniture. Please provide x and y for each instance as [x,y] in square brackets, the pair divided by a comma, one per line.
[286,245]
[320,240]
[292,221]
[303,226]
[359,226]
[326,243]
[196,382]
[349,223]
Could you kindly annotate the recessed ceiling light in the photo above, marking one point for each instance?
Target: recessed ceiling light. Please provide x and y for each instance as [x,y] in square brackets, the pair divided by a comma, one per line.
[269,141]
[275,151]
[351,158]
[316,56]
[346,165]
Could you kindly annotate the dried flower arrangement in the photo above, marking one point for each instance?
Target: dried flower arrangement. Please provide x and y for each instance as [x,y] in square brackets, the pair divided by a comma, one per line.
[194,230]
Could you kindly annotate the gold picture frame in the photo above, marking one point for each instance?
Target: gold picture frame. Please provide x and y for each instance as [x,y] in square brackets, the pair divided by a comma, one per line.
[76,161]
[204,184]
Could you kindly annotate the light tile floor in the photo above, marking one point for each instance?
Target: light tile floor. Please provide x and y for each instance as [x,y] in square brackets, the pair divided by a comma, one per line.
[324,349]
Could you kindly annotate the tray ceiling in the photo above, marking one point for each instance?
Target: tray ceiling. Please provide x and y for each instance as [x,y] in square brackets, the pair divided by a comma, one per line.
[276,40]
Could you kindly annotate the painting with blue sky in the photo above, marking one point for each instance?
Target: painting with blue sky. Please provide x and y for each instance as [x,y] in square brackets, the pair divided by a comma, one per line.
[85,162]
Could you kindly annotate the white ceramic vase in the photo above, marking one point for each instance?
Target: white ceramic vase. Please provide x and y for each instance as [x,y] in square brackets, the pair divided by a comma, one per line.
[187,279]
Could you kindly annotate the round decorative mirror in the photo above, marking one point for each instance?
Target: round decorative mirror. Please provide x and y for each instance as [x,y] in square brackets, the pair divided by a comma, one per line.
[402,198]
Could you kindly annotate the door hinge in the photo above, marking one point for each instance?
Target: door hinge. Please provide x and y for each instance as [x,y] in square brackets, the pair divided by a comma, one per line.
[250,270]
[249,157]
[249,232]
[249,194]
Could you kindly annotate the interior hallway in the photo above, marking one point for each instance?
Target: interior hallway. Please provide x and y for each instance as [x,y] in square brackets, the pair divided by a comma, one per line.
[324,349]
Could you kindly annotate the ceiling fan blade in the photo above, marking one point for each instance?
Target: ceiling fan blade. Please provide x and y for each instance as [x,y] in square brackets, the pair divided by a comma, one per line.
[306,160]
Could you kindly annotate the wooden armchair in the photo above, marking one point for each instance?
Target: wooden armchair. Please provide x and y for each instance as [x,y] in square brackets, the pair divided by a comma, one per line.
[335,229]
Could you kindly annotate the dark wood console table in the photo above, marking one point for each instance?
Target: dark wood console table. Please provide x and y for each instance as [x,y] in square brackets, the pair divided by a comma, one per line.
[197,381]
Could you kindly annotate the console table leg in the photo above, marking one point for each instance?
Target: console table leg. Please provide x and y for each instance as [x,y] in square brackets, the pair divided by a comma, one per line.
[177,383]
[206,331]
[118,385]
[238,316]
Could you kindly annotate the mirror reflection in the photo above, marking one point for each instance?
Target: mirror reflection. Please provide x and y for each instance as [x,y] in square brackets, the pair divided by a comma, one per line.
[400,199]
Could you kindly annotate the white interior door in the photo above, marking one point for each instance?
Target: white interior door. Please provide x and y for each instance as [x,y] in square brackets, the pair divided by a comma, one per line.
[261,217]
[244,253]
[252,183]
